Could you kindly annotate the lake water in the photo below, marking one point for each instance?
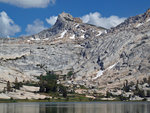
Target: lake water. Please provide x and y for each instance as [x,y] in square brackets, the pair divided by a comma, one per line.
[93,107]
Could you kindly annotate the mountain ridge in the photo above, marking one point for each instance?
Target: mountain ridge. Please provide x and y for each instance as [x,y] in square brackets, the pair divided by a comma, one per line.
[69,26]
[99,58]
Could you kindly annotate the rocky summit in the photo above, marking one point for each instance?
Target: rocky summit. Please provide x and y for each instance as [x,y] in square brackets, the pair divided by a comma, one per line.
[101,59]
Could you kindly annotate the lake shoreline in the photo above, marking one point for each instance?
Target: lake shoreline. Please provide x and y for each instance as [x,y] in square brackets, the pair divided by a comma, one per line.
[59,101]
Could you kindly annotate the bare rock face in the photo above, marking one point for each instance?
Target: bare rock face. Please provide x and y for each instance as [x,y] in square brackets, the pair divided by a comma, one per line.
[99,58]
[122,54]
[67,17]
[77,20]
[147,14]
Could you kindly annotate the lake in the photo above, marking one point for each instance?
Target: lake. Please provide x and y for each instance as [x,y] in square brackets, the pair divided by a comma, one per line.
[77,107]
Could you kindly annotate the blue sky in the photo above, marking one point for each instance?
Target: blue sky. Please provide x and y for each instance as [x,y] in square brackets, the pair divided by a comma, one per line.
[29,16]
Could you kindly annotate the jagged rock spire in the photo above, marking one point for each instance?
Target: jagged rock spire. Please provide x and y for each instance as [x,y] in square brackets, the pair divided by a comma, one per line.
[63,17]
[147,14]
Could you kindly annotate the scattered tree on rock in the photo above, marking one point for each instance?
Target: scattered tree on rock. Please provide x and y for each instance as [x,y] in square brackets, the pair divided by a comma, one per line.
[126,87]
[41,84]
[63,90]
[17,84]
[8,86]
[49,84]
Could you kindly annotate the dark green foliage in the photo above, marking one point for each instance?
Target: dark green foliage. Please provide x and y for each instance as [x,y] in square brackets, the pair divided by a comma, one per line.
[70,73]
[108,94]
[137,85]
[67,99]
[41,84]
[17,84]
[48,83]
[8,86]
[145,80]
[49,76]
[64,77]
[144,99]
[50,86]
[138,91]
[148,93]
[148,81]
[82,87]
[122,98]
[63,90]
[132,83]
[126,87]
[30,83]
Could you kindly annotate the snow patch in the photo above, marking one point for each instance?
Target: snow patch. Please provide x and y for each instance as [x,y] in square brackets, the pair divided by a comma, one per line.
[37,39]
[99,73]
[31,38]
[77,25]
[34,38]
[82,36]
[110,67]
[148,20]
[99,33]
[140,24]
[82,31]
[28,40]
[72,37]
[62,34]
[46,39]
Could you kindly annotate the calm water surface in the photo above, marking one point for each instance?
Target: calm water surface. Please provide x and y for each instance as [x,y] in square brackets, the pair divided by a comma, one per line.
[101,107]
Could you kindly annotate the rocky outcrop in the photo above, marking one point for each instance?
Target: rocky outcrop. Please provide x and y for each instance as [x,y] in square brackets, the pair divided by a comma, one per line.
[27,92]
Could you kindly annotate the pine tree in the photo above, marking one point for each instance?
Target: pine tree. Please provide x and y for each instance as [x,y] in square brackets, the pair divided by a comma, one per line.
[8,86]
[17,85]
[148,80]
[137,85]
[145,80]
[41,84]
[63,90]
[126,87]
[108,94]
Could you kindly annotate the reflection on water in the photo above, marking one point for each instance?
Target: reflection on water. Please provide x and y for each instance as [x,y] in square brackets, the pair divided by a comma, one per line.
[103,107]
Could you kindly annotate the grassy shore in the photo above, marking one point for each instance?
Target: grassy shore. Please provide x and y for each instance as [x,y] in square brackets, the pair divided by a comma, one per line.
[76,98]
[39,100]
[59,100]
[70,98]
